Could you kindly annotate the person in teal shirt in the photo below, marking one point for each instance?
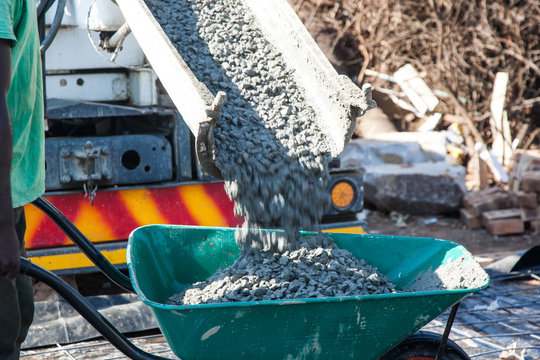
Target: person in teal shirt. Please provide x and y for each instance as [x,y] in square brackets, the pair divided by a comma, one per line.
[22,162]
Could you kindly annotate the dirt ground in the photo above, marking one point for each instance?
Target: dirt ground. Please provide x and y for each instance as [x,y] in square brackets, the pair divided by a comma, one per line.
[479,242]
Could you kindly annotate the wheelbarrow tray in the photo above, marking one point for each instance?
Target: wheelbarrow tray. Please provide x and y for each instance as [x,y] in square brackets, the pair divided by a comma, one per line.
[164,259]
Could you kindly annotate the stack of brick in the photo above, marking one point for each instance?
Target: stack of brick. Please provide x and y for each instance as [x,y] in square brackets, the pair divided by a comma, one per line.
[504,212]
[493,208]
[524,183]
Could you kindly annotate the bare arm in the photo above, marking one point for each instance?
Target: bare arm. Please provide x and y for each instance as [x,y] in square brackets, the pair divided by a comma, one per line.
[9,244]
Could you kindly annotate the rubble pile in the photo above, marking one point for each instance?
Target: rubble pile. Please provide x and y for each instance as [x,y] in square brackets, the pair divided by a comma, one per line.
[508,211]
[486,100]
[407,172]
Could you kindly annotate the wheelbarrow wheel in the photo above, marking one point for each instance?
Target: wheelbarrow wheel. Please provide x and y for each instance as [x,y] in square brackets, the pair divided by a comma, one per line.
[424,346]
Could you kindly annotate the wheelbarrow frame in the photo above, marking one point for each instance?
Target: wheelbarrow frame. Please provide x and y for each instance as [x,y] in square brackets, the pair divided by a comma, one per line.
[101,324]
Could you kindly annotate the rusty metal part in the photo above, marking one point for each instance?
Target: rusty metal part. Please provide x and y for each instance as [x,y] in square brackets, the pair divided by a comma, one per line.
[206,146]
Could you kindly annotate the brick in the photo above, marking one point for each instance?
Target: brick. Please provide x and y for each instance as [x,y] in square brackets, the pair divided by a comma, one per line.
[534,226]
[503,201]
[475,197]
[493,198]
[526,199]
[479,208]
[505,226]
[471,221]
[530,182]
[524,160]
[501,214]
[529,214]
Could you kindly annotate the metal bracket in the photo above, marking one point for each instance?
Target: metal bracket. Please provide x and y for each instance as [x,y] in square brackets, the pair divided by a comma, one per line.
[107,161]
[447,329]
[86,165]
[206,146]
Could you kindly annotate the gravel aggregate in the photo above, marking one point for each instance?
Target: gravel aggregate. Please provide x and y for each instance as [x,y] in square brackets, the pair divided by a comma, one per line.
[274,160]
[316,269]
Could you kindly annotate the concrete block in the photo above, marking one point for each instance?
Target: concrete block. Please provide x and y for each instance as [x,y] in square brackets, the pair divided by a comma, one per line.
[423,189]
[387,150]
[433,145]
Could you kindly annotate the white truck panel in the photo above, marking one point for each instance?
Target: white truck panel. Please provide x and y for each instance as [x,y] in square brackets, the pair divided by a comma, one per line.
[71,49]
[101,15]
[88,87]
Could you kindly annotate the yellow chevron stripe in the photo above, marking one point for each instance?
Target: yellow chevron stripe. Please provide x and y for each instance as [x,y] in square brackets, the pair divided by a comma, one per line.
[76,260]
[201,206]
[142,207]
[347,230]
[92,223]
[34,217]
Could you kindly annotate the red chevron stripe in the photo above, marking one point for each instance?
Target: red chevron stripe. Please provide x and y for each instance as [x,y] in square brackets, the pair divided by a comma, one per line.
[118,219]
[223,203]
[48,234]
[172,206]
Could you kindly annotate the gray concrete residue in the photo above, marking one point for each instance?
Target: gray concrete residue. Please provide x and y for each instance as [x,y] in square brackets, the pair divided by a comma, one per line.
[461,273]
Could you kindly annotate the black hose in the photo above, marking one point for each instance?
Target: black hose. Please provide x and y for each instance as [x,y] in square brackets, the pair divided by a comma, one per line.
[84,244]
[58,16]
[83,307]
[43,6]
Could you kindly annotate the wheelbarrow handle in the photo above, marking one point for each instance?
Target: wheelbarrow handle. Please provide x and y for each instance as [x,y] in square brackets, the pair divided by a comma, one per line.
[83,307]
[84,244]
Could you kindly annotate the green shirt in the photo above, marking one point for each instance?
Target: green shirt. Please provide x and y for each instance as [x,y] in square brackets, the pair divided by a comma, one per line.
[18,23]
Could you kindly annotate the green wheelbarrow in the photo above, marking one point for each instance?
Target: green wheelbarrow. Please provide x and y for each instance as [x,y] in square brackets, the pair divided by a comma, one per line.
[164,259]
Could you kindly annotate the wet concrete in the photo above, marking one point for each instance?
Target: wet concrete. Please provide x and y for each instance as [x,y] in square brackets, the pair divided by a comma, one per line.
[317,269]
[270,150]
[273,157]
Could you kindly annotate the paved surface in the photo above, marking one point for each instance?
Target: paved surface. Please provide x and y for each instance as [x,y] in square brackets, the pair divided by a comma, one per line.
[507,314]
[99,350]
